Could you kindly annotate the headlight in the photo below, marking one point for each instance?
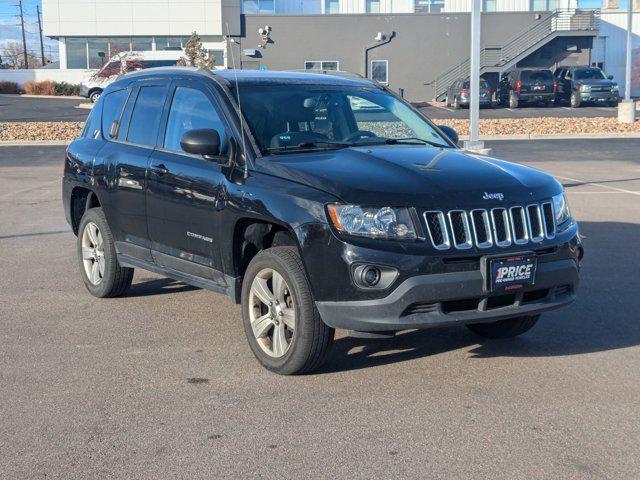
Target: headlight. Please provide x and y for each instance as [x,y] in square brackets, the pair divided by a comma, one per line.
[561,209]
[614,88]
[585,88]
[386,222]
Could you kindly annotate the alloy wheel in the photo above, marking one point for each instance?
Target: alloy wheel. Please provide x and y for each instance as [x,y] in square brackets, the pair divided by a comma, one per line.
[272,313]
[93,253]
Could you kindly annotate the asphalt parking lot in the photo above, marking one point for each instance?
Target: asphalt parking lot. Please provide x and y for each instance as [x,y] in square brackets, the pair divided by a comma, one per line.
[161,383]
[14,108]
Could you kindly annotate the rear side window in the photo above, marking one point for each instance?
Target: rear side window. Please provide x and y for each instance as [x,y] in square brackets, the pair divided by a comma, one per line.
[112,106]
[191,109]
[143,127]
[537,76]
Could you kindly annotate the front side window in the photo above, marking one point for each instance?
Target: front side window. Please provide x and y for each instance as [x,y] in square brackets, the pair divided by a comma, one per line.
[379,71]
[589,74]
[143,126]
[112,106]
[288,117]
[191,109]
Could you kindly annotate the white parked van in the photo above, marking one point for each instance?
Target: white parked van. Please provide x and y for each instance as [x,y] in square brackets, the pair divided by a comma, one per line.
[92,86]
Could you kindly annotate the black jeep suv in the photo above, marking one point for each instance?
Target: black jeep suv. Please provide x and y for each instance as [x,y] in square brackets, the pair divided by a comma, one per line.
[272,188]
[579,85]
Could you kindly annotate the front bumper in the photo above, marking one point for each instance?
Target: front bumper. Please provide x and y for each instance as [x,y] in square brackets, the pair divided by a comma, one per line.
[599,96]
[453,298]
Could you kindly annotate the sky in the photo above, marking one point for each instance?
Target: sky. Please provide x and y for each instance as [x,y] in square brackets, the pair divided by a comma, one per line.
[10,27]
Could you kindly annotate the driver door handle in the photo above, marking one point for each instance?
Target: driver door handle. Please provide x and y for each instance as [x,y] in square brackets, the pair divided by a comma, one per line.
[160,169]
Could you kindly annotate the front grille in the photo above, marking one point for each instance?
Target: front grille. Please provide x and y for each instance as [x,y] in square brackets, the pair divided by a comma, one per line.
[503,227]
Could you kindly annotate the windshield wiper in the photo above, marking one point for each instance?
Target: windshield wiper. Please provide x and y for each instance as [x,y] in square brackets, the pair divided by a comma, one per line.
[317,145]
[412,141]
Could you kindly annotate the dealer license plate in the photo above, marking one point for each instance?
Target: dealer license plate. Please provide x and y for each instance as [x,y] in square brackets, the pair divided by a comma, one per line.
[509,274]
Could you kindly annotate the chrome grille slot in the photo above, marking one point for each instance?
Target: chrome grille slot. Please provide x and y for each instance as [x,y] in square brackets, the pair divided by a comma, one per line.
[481,228]
[501,230]
[536,228]
[519,225]
[437,227]
[549,220]
[460,230]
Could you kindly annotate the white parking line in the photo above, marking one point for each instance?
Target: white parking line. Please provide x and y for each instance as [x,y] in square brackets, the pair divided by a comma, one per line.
[585,182]
[444,108]
[567,108]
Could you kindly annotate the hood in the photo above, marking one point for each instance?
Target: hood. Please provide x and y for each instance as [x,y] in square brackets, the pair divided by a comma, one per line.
[597,82]
[407,175]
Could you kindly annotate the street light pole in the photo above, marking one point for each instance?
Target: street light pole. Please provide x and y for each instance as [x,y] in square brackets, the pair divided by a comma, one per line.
[627,108]
[474,142]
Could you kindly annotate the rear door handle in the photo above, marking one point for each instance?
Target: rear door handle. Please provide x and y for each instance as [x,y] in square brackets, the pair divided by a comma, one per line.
[160,169]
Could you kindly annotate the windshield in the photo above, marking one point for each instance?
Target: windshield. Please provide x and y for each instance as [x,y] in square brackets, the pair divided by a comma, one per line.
[307,117]
[589,74]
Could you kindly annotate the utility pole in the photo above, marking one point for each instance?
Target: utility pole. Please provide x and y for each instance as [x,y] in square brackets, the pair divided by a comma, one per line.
[627,108]
[24,38]
[41,41]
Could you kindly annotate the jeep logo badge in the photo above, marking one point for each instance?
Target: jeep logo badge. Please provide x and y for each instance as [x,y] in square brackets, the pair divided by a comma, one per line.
[493,196]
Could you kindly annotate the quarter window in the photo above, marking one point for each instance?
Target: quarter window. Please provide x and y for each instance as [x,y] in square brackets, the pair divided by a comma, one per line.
[145,119]
[191,109]
[113,104]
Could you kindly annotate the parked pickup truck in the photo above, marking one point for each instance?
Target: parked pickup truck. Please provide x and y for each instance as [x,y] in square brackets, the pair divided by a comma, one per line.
[579,85]
[269,188]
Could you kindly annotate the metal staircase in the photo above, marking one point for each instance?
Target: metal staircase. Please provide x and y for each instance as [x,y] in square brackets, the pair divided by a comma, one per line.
[499,58]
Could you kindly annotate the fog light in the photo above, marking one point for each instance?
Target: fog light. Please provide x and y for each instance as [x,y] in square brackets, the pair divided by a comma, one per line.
[370,276]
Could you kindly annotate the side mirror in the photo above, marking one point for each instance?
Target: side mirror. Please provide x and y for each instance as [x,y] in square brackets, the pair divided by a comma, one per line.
[610,77]
[450,132]
[202,141]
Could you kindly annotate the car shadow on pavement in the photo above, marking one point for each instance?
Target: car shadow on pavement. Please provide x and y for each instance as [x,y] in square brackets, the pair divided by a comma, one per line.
[605,316]
[158,286]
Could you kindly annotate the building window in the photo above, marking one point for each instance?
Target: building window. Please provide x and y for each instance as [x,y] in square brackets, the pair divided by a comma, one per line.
[380,71]
[219,57]
[428,6]
[258,6]
[543,5]
[331,6]
[372,6]
[322,65]
[141,44]
[98,52]
[170,43]
[490,5]
[76,52]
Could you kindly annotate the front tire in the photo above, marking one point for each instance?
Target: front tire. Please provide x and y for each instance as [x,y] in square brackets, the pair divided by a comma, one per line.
[99,267]
[509,328]
[575,100]
[513,100]
[281,322]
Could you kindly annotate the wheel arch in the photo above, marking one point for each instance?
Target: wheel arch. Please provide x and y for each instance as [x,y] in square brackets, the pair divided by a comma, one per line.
[82,199]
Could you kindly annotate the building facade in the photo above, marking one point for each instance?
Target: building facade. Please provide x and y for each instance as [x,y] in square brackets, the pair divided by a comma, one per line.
[414,46]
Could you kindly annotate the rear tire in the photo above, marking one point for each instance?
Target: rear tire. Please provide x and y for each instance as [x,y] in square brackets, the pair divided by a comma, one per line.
[513,100]
[95,95]
[101,272]
[276,296]
[550,103]
[509,328]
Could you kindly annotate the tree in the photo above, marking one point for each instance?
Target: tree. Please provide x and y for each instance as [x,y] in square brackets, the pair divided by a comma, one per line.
[13,56]
[196,55]
[118,64]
